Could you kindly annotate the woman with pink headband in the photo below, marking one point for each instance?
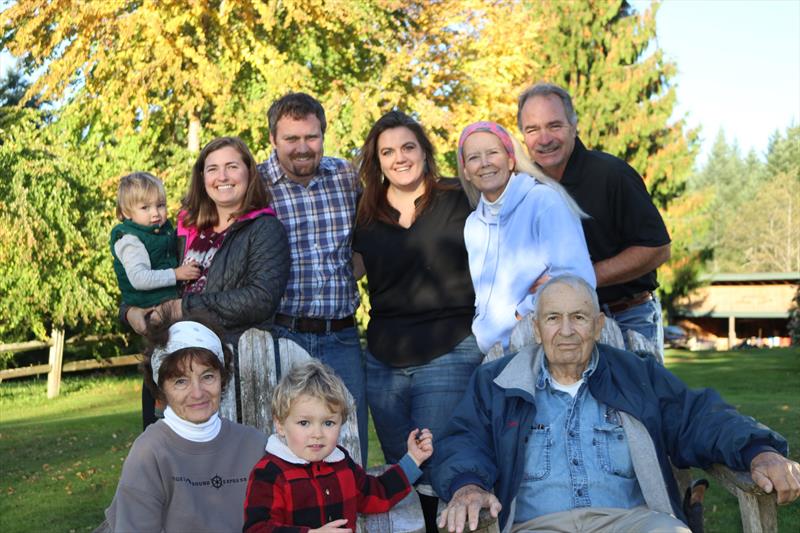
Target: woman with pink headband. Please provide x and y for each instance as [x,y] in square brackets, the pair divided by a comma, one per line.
[524,230]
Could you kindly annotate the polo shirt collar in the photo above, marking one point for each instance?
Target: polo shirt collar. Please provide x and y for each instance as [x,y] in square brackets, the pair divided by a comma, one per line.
[571,172]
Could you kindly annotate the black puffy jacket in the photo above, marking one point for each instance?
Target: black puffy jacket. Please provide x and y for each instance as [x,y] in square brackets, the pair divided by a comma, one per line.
[247,276]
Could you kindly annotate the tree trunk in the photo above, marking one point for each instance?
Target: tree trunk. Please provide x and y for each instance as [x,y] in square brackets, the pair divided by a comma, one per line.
[193,143]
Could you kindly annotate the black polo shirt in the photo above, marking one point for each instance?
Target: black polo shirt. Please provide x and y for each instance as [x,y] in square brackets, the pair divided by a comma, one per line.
[622,213]
[420,291]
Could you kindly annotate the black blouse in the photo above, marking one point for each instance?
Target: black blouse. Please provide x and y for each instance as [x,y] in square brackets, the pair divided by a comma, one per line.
[420,289]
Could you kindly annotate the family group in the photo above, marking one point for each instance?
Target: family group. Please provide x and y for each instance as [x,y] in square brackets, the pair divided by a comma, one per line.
[567,434]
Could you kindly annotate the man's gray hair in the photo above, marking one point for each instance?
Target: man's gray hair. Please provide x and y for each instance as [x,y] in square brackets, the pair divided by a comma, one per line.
[547,89]
[576,282]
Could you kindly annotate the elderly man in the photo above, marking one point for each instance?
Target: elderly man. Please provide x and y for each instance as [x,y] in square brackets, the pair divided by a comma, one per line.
[315,197]
[626,237]
[574,435]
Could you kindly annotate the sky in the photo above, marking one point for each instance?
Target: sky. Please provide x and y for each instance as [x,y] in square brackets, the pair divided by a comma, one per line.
[738,66]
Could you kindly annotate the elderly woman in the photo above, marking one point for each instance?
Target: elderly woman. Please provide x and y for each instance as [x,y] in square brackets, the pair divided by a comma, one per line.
[187,472]
[524,230]
[409,234]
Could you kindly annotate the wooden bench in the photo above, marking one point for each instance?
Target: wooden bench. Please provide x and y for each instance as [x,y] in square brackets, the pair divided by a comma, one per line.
[261,361]
[758,509]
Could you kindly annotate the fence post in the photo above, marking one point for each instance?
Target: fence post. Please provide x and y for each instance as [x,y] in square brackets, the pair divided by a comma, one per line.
[56,357]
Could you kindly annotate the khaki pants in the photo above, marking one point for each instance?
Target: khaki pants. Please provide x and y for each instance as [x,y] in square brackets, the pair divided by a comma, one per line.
[603,519]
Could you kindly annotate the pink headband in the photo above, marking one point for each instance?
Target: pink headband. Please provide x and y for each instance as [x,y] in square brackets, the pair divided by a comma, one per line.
[491,127]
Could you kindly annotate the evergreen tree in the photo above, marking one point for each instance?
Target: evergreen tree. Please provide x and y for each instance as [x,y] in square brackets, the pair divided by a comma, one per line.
[783,152]
[602,53]
[13,86]
[752,209]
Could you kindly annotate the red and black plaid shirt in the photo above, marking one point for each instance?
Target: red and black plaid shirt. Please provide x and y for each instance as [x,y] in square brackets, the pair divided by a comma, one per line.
[284,497]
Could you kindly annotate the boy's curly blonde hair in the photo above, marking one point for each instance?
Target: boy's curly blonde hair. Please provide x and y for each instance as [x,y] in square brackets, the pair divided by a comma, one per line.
[312,378]
[137,187]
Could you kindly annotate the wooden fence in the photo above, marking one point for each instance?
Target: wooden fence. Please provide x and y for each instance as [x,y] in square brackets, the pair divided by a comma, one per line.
[55,365]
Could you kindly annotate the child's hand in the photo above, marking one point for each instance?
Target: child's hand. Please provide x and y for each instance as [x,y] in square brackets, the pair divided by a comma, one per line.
[187,272]
[420,445]
[337,526]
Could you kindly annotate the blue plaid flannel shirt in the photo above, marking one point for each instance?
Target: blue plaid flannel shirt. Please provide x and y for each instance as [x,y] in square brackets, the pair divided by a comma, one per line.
[319,222]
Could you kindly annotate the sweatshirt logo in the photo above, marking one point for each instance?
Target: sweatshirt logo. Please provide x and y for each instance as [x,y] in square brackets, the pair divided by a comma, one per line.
[216,481]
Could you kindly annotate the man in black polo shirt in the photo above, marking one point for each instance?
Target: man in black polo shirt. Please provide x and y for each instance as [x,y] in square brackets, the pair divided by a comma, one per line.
[625,234]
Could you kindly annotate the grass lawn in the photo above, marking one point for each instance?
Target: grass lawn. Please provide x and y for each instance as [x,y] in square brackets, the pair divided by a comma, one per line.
[764,384]
[60,459]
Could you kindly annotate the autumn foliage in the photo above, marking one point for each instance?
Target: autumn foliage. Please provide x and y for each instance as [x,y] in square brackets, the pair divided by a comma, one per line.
[142,84]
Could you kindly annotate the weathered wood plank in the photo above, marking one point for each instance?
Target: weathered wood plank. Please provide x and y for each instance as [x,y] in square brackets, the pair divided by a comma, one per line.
[495,352]
[88,364]
[733,480]
[611,334]
[24,346]
[256,374]
[486,524]
[639,344]
[759,513]
[405,517]
[55,360]
[72,366]
[522,335]
[11,373]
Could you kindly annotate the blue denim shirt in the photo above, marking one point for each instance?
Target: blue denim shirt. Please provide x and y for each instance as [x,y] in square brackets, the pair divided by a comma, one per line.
[577,454]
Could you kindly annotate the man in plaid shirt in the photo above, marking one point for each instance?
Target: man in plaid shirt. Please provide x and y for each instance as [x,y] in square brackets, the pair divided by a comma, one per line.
[315,197]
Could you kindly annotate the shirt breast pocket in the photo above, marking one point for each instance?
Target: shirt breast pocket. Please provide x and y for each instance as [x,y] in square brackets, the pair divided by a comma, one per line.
[613,452]
[537,454]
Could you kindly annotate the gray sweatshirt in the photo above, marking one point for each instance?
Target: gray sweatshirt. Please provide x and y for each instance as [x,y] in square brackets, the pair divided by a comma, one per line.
[171,484]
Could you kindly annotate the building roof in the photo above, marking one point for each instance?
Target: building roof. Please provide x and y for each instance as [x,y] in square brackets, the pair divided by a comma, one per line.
[761,295]
[751,277]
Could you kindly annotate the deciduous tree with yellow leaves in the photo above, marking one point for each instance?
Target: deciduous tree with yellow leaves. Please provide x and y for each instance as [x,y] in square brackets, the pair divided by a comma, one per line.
[162,77]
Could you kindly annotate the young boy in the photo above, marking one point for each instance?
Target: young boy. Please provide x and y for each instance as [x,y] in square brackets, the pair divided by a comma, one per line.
[144,245]
[305,483]
[145,253]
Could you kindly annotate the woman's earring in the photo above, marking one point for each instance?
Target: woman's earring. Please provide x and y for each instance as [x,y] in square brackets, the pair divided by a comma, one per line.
[383,177]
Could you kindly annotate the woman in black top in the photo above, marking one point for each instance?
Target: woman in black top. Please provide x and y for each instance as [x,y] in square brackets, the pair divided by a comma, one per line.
[409,238]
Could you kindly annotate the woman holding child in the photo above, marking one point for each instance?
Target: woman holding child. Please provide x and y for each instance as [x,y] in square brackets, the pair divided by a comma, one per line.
[230,233]
[235,254]
[409,239]
[187,472]
[524,230]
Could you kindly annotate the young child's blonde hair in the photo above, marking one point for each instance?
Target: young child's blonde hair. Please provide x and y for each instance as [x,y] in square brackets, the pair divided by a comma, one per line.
[312,378]
[137,187]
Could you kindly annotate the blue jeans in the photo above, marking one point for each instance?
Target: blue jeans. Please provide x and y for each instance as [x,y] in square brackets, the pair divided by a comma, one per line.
[645,319]
[341,350]
[422,396]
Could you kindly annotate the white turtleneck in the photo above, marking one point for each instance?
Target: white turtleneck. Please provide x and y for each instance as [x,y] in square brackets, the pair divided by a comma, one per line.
[202,432]
[493,208]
